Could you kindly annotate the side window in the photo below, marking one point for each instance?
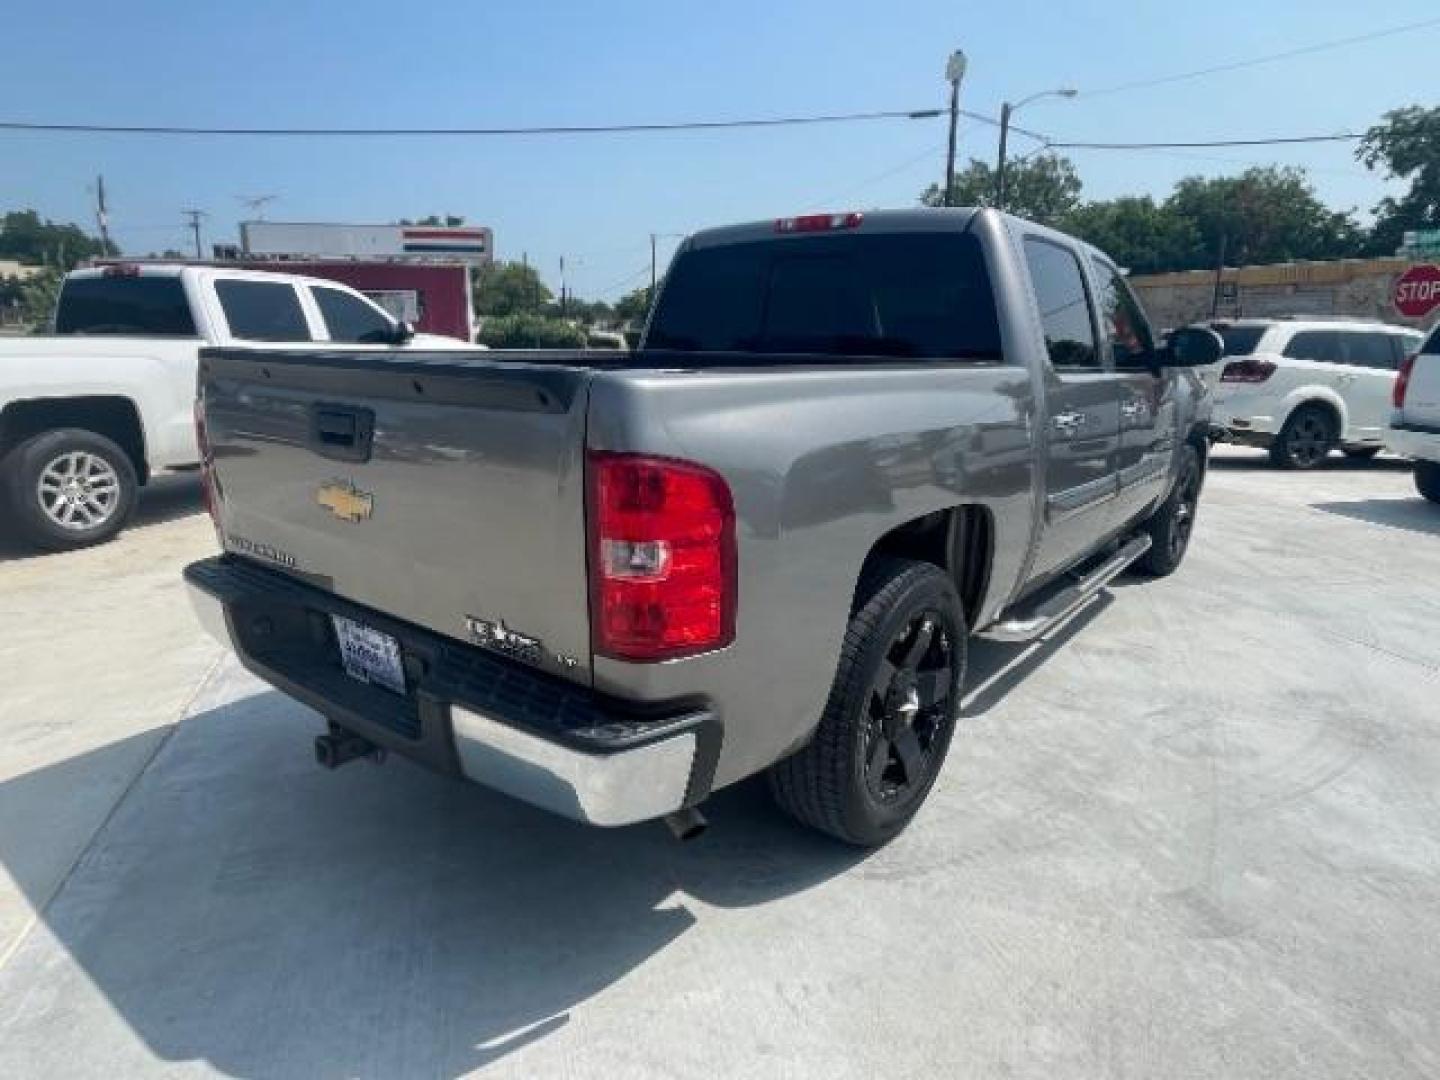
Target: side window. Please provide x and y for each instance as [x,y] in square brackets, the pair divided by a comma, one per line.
[1122,318]
[1370,351]
[262,311]
[1321,346]
[1064,305]
[350,319]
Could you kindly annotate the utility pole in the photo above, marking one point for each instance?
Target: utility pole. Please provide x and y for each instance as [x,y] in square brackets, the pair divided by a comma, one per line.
[562,286]
[195,216]
[1219,273]
[954,72]
[652,267]
[1005,110]
[102,216]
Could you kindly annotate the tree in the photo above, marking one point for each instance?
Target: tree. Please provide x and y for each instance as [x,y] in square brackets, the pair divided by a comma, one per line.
[37,298]
[1266,215]
[526,330]
[634,306]
[1139,234]
[1406,144]
[27,239]
[508,288]
[1043,189]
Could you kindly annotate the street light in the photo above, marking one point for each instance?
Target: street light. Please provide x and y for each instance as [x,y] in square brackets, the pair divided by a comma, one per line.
[954,72]
[1006,112]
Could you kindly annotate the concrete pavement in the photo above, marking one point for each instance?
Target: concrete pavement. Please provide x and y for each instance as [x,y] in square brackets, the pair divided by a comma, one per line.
[1194,835]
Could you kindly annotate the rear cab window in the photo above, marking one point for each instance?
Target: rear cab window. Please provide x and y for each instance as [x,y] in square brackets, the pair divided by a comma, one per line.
[142,305]
[909,295]
[1064,305]
[262,310]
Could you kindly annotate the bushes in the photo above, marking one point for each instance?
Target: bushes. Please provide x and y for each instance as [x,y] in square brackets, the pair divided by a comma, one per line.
[525,331]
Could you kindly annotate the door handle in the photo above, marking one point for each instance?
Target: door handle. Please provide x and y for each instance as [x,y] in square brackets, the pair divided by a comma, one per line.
[1132,410]
[341,432]
[1068,422]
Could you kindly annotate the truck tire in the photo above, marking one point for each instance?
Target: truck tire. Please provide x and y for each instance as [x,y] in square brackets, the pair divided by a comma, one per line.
[1306,439]
[1171,525]
[892,710]
[67,489]
[1427,479]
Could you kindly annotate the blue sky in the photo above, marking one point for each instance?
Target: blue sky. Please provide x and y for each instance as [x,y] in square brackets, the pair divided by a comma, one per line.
[596,198]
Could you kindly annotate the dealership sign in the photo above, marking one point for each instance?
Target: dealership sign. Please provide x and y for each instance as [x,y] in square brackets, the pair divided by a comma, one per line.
[1417,291]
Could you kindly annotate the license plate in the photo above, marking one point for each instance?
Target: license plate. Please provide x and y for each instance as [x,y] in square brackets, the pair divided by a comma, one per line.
[368,655]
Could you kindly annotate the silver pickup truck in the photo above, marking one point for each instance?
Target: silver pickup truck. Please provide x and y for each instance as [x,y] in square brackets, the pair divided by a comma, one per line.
[609,584]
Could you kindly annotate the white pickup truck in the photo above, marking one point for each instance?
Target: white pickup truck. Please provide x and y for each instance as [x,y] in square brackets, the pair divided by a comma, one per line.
[1415,427]
[89,413]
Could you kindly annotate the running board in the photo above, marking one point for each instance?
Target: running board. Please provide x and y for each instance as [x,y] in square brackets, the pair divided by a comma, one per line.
[1049,613]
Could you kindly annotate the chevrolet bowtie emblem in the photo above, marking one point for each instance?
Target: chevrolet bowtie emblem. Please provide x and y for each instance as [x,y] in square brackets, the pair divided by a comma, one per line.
[343,500]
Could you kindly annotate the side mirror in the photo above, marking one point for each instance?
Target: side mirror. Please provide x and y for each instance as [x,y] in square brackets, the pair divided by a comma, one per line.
[404,332]
[1191,346]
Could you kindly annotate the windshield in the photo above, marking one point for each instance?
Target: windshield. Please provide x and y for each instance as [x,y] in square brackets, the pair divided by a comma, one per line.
[897,295]
[142,306]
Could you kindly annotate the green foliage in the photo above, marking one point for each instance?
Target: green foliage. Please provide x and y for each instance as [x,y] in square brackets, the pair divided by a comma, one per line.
[1267,215]
[1043,188]
[525,330]
[510,288]
[37,298]
[1406,144]
[1137,233]
[634,306]
[25,237]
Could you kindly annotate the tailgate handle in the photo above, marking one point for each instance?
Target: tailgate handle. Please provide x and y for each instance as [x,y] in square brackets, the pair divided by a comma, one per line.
[341,432]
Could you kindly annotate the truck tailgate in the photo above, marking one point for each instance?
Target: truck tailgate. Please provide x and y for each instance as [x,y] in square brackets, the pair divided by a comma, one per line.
[438,488]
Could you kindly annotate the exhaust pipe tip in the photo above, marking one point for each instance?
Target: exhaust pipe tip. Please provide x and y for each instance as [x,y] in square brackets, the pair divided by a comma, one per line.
[686,824]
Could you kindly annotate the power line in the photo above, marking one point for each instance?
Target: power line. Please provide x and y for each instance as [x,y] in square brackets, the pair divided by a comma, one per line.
[1270,58]
[556,129]
[1290,140]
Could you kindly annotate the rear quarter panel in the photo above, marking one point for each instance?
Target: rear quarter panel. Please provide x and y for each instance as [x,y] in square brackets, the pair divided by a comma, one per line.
[821,463]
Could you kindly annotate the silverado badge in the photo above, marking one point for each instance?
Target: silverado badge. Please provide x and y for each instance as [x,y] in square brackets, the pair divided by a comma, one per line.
[345,501]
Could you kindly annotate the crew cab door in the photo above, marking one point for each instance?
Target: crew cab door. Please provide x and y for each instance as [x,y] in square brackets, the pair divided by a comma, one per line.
[1082,414]
[1145,447]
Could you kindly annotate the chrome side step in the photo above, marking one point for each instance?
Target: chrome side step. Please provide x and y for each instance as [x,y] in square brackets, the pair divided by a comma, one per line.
[1045,616]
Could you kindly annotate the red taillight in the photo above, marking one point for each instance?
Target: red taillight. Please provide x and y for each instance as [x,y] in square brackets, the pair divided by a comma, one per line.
[1247,371]
[1402,381]
[662,557]
[207,466]
[818,222]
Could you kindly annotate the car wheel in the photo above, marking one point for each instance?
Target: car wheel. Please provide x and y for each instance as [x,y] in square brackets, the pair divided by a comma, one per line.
[1360,453]
[1171,525]
[1427,479]
[1306,439]
[68,489]
[891,712]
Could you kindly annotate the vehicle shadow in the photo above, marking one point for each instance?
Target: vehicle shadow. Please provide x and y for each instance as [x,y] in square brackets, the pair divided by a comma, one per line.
[1259,461]
[996,668]
[1413,514]
[167,497]
[244,908]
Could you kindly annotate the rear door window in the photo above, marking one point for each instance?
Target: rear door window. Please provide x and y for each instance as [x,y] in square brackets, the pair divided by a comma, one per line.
[1064,305]
[144,306]
[1370,351]
[1321,346]
[262,310]
[350,319]
[856,295]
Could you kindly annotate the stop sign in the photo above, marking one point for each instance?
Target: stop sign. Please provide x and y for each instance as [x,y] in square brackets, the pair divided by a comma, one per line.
[1417,291]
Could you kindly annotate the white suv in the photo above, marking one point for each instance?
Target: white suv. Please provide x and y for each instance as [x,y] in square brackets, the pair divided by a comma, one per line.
[1303,388]
[1415,427]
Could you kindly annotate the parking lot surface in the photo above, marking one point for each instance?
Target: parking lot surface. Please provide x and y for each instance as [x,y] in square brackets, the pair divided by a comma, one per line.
[1193,834]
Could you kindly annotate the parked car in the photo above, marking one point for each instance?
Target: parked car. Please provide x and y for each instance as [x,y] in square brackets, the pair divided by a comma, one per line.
[89,413]
[1302,388]
[1415,428]
[610,584]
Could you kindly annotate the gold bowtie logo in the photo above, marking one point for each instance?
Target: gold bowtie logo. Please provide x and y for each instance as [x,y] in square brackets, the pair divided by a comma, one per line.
[345,501]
